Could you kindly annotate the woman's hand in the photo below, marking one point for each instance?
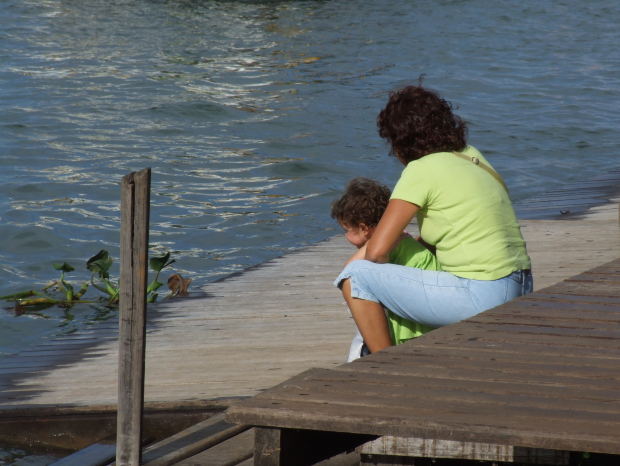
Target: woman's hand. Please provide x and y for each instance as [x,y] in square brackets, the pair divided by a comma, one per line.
[389,230]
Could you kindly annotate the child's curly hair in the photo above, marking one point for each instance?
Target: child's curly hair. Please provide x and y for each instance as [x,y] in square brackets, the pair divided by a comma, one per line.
[363,201]
[417,121]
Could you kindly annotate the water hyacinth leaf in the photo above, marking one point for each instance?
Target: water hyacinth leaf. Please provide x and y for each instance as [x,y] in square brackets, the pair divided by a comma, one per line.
[67,289]
[153,286]
[63,294]
[100,288]
[158,263]
[64,267]
[67,286]
[21,294]
[114,295]
[100,263]
[37,301]
[110,288]
[81,291]
[33,307]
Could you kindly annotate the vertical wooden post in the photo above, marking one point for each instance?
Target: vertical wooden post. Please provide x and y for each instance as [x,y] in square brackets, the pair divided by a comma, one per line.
[135,199]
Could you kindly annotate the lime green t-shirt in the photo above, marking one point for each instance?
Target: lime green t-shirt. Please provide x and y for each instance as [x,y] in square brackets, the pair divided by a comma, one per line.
[412,254]
[466,214]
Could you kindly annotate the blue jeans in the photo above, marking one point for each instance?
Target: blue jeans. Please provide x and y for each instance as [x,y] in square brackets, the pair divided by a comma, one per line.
[429,297]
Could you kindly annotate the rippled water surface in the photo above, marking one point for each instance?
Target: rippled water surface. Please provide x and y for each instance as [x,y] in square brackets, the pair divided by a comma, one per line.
[253,115]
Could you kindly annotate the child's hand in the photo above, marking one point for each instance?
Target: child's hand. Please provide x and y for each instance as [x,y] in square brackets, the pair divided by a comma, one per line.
[359,254]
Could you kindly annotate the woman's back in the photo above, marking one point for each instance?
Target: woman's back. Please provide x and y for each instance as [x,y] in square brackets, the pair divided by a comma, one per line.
[466,213]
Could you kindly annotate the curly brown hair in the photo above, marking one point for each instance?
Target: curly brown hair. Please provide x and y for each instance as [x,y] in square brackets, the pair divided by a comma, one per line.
[416,122]
[363,201]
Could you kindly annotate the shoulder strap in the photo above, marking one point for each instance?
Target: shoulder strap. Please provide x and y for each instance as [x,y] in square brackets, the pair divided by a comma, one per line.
[484,166]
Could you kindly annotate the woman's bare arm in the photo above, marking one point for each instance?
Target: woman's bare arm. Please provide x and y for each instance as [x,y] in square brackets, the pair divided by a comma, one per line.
[389,230]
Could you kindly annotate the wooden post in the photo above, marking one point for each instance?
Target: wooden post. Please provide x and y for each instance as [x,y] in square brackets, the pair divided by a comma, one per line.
[135,199]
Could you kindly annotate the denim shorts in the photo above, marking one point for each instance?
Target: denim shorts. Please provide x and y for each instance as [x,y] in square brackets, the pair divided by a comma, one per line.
[430,297]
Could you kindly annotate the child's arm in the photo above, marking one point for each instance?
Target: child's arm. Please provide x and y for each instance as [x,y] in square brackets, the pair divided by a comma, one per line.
[359,254]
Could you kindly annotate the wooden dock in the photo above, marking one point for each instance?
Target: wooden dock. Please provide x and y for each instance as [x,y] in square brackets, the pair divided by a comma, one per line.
[256,329]
[536,377]
[239,336]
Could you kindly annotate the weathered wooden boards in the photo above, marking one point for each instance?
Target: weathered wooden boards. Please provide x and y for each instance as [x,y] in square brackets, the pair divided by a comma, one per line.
[191,441]
[388,449]
[540,372]
[256,329]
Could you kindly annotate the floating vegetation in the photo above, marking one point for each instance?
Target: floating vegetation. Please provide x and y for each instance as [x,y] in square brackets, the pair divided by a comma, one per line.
[64,294]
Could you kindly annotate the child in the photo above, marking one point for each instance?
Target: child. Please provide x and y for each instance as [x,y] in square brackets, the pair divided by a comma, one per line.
[358,212]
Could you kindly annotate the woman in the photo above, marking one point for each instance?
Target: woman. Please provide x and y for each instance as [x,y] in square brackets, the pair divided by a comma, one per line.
[464,213]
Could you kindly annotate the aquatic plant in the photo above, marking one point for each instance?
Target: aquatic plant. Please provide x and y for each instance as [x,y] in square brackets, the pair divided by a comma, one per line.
[64,294]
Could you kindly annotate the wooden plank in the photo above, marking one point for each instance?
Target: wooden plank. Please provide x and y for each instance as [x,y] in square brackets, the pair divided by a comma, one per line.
[235,451]
[543,295]
[579,324]
[553,314]
[97,454]
[416,352]
[512,348]
[492,372]
[594,288]
[405,393]
[191,441]
[267,447]
[73,429]
[495,371]
[135,194]
[391,446]
[498,338]
[468,425]
[517,330]
[566,299]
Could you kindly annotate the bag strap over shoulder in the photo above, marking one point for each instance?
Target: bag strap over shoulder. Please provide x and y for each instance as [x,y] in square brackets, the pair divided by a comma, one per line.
[485,167]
